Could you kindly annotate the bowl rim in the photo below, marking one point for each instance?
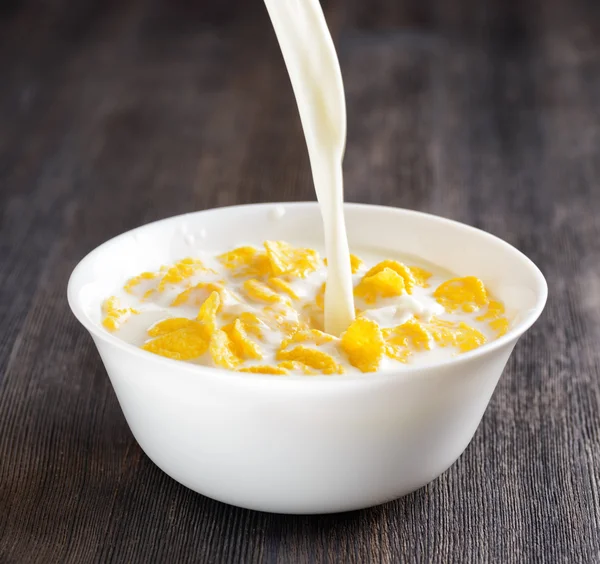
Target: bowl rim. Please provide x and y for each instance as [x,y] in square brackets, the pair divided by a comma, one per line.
[407,372]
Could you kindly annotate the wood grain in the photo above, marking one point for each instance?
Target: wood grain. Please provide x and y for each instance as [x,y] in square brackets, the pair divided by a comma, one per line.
[113,114]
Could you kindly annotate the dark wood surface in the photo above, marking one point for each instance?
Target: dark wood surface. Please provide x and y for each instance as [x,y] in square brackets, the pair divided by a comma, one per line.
[115,113]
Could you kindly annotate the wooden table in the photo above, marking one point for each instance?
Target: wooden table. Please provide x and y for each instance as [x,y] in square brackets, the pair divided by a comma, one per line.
[116,113]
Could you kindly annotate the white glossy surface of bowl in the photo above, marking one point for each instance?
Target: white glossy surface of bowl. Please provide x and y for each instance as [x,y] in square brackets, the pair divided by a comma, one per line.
[305,444]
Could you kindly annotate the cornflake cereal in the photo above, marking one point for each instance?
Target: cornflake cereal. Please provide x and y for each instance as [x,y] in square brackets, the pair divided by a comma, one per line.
[260,310]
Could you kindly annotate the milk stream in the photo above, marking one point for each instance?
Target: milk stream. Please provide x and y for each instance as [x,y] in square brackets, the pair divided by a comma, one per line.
[314,71]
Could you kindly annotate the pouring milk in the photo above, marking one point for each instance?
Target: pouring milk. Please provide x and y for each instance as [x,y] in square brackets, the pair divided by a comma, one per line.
[314,71]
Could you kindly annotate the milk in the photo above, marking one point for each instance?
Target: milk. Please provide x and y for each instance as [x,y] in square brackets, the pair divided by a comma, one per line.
[314,71]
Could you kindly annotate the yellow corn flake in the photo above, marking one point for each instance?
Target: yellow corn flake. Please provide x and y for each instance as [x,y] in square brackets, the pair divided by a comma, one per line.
[495,310]
[280,313]
[421,276]
[179,272]
[197,294]
[182,297]
[110,323]
[289,260]
[246,261]
[288,327]
[363,344]
[403,340]
[227,295]
[280,285]
[412,334]
[243,345]
[241,256]
[169,325]
[260,292]
[137,280]
[500,326]
[468,294]
[459,335]
[320,297]
[402,270]
[253,324]
[222,350]
[401,354]
[495,316]
[296,366]
[115,315]
[385,284]
[305,335]
[186,343]
[355,263]
[312,358]
[313,335]
[277,311]
[265,369]
[208,312]
[282,318]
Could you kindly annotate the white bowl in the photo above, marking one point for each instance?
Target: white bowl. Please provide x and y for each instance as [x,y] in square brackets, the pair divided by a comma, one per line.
[311,444]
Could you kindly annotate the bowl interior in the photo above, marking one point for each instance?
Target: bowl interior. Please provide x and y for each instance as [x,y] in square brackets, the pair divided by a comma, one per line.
[389,232]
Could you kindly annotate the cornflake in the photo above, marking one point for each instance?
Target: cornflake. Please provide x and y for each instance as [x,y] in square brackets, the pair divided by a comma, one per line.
[468,294]
[411,334]
[260,310]
[495,317]
[260,292]
[246,261]
[265,369]
[169,326]
[137,280]
[187,342]
[115,315]
[320,297]
[244,346]
[222,350]
[386,283]
[253,324]
[296,366]
[208,312]
[403,271]
[459,335]
[304,335]
[197,294]
[180,271]
[403,339]
[312,358]
[363,344]
[421,276]
[279,285]
[289,260]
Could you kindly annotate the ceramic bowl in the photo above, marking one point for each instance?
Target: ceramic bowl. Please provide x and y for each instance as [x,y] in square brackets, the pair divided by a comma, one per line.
[305,444]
